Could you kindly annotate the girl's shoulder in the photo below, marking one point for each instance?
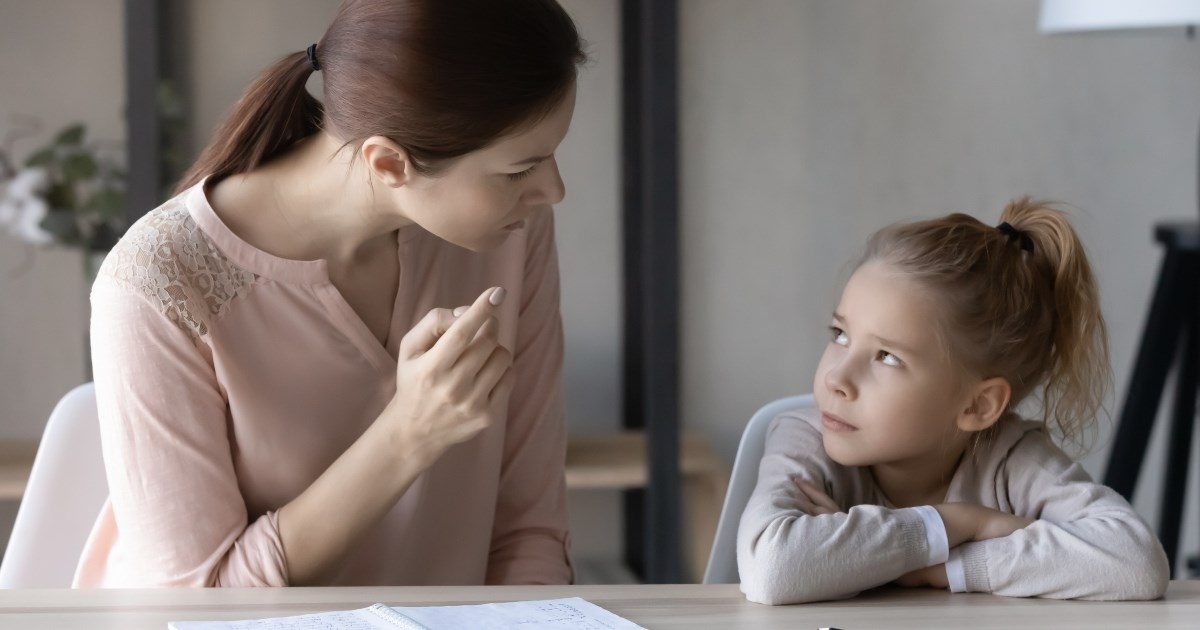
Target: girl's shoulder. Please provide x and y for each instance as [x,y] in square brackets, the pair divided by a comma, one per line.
[796,425]
[1021,443]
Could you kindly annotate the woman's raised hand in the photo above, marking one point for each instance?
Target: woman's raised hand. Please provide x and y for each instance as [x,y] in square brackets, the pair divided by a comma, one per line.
[452,377]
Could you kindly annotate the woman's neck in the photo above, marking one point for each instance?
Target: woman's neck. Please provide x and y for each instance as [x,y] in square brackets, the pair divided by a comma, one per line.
[313,202]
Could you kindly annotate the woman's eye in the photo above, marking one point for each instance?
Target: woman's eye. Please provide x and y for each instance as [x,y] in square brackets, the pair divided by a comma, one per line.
[839,336]
[887,358]
[516,177]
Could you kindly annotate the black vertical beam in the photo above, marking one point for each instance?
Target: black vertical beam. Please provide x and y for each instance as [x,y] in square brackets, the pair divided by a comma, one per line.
[650,182]
[143,69]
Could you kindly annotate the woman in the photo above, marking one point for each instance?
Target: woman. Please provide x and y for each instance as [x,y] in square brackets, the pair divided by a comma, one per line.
[284,397]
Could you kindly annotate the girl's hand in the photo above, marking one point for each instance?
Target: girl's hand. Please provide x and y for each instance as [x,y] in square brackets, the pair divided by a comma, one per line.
[452,378]
[997,524]
[815,502]
[932,577]
[966,522]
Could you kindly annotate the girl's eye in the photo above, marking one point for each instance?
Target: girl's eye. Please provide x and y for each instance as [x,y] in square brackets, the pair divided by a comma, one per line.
[839,336]
[887,358]
[516,177]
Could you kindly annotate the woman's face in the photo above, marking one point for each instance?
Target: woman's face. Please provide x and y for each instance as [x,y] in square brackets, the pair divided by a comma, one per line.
[484,196]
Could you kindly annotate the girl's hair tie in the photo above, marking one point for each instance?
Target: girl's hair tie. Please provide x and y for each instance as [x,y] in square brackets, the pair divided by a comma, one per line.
[1013,234]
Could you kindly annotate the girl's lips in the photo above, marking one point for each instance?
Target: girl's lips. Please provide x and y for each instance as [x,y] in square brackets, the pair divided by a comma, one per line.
[834,423]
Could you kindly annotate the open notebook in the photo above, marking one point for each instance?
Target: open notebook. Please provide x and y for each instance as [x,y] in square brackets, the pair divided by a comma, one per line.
[550,614]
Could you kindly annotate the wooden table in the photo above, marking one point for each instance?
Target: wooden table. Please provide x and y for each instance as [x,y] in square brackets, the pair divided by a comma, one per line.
[694,607]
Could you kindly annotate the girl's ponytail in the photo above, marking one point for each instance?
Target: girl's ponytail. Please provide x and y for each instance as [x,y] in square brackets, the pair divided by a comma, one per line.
[275,112]
[1078,373]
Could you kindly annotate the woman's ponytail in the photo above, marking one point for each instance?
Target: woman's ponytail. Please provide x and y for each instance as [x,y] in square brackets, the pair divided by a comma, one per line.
[274,113]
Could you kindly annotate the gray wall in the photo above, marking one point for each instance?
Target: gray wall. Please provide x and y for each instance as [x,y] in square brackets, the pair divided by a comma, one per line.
[806,125]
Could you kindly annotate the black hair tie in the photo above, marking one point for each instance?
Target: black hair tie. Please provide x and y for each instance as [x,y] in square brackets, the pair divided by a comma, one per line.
[1013,234]
[311,53]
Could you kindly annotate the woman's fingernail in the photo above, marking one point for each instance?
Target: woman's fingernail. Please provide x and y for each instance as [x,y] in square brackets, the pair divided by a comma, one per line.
[497,296]
[460,310]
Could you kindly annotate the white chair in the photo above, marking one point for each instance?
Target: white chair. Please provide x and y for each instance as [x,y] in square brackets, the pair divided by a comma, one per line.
[722,561]
[65,492]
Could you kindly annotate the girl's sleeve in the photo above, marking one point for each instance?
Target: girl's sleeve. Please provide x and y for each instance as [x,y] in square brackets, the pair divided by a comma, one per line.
[529,538]
[180,516]
[1087,542]
[787,556]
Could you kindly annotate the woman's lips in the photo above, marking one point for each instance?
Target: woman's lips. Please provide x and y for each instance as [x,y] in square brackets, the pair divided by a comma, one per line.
[834,423]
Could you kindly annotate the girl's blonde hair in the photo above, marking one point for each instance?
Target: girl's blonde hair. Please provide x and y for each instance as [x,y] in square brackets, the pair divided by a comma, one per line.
[1018,302]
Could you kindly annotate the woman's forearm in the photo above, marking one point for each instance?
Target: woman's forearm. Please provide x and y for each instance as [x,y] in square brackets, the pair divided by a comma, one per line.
[357,489]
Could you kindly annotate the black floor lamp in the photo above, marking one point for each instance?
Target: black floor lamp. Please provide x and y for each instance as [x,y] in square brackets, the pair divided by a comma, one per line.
[1171,338]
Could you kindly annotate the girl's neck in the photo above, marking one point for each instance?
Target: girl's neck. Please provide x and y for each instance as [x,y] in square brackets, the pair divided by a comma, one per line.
[920,480]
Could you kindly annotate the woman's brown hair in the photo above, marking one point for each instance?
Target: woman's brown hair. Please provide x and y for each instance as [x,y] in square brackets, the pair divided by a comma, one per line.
[441,78]
[1019,301]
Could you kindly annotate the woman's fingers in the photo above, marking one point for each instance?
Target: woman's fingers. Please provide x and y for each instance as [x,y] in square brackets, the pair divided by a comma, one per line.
[498,363]
[471,361]
[459,336]
[426,333]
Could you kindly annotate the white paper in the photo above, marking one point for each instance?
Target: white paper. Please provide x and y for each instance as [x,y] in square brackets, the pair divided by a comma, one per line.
[553,614]
[361,619]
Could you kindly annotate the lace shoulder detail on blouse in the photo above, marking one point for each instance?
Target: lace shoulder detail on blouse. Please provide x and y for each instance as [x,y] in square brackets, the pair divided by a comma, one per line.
[169,260]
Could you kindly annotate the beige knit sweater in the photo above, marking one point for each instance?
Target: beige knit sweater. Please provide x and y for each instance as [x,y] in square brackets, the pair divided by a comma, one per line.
[1087,542]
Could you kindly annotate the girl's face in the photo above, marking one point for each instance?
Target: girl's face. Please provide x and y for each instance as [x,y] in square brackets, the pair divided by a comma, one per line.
[886,391]
[485,195]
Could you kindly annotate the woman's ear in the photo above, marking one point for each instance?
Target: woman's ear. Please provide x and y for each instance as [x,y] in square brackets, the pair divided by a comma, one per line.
[986,405]
[387,161]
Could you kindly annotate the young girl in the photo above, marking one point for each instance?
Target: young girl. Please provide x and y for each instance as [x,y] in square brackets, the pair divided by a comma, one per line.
[287,393]
[915,469]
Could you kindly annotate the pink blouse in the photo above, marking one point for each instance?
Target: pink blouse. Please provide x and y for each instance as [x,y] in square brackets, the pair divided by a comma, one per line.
[229,379]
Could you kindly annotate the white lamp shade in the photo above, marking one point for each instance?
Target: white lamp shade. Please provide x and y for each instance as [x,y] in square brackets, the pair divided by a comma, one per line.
[1064,16]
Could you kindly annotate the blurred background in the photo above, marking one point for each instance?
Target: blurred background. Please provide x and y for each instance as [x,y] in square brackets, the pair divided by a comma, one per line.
[805,125]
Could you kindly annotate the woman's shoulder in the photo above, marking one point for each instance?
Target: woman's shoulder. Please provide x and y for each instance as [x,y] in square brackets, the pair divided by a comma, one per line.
[166,259]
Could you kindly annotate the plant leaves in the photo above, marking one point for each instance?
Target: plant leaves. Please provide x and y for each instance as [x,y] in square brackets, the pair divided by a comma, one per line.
[61,224]
[42,158]
[79,166]
[72,135]
[107,203]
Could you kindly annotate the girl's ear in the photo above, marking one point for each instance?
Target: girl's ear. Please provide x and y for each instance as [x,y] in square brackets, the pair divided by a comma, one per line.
[386,160]
[986,405]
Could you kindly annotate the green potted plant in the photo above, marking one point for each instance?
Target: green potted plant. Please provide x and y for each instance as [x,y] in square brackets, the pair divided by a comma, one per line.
[68,193]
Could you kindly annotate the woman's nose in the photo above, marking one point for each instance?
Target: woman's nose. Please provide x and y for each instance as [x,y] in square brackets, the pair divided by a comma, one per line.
[549,188]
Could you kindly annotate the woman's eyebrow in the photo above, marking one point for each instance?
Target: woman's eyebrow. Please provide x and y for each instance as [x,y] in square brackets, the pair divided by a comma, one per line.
[532,160]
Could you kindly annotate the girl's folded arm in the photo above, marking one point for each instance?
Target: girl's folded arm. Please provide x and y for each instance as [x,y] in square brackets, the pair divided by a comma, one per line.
[787,556]
[1087,542]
